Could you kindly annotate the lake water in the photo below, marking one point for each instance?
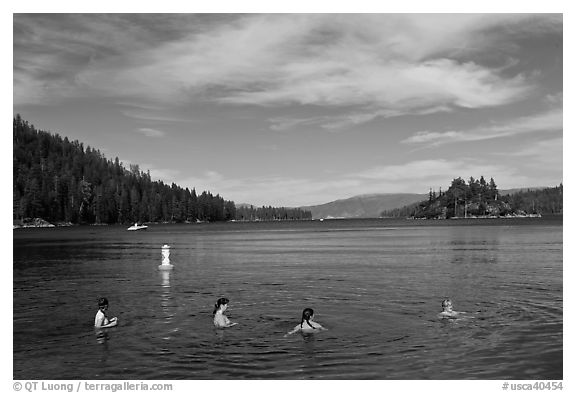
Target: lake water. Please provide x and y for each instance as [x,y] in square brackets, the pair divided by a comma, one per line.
[377,285]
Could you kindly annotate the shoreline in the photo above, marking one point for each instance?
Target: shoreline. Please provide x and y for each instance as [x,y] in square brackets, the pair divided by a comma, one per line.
[40,223]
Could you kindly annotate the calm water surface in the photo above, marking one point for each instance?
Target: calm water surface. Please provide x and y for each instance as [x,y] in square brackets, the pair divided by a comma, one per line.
[376,285]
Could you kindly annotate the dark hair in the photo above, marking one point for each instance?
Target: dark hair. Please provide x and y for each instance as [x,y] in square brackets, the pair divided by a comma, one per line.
[220,302]
[102,302]
[306,315]
[445,302]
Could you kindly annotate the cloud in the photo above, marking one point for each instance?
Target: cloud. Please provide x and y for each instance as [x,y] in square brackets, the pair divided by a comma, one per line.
[393,85]
[400,62]
[286,123]
[329,122]
[543,154]
[437,173]
[163,116]
[544,122]
[52,51]
[136,109]
[554,99]
[151,133]
[351,118]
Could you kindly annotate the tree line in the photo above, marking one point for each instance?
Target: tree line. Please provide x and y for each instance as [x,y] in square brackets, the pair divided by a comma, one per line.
[62,181]
[251,213]
[479,198]
[539,201]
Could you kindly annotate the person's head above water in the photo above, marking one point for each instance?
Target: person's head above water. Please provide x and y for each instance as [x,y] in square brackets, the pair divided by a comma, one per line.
[102,303]
[446,305]
[307,315]
[219,303]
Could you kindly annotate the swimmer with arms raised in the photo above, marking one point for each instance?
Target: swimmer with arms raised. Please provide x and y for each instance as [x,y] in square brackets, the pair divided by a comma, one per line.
[220,320]
[307,325]
[101,319]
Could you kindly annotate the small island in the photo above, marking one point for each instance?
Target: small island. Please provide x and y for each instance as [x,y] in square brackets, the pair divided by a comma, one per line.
[481,199]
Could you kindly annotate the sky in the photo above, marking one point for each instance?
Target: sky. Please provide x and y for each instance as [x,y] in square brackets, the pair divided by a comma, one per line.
[302,109]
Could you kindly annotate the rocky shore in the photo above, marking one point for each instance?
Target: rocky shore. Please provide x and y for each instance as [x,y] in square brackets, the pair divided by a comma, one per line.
[37,223]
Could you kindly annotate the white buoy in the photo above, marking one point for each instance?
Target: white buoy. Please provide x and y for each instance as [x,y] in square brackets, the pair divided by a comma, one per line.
[166,258]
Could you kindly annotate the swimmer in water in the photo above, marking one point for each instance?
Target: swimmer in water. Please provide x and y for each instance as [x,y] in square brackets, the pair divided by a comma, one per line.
[220,320]
[447,311]
[307,325]
[101,319]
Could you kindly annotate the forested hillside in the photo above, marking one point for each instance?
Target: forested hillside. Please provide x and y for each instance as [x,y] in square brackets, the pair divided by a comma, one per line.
[62,181]
[538,201]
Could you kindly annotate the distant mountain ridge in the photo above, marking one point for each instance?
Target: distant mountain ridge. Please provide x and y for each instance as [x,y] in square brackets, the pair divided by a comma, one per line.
[363,206]
[517,190]
[371,205]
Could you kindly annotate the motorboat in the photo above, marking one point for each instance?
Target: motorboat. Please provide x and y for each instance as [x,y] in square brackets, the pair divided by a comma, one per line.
[137,227]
